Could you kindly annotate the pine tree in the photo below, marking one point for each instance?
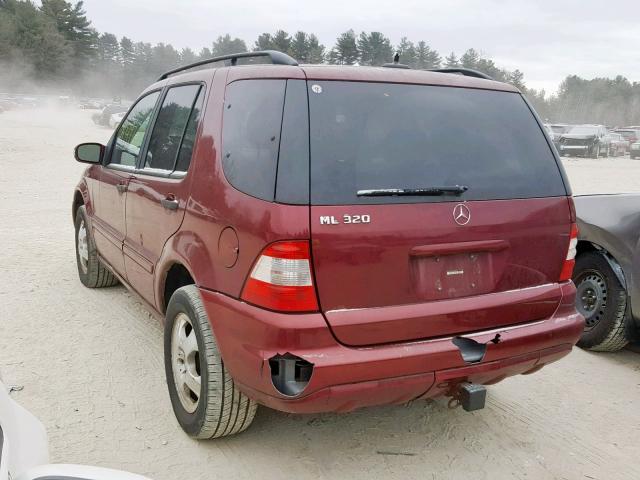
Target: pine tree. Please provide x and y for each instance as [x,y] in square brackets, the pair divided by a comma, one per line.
[127,53]
[264,42]
[187,56]
[281,41]
[227,45]
[374,49]
[434,60]
[72,23]
[407,51]
[108,50]
[517,80]
[300,48]
[345,51]
[204,53]
[426,57]
[470,59]
[316,50]
[452,61]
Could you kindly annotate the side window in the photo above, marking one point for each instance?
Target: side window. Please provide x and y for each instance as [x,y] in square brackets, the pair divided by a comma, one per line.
[170,127]
[188,142]
[130,136]
[251,135]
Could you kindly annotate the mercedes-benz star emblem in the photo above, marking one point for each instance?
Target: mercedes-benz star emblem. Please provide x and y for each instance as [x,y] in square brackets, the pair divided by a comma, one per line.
[461,214]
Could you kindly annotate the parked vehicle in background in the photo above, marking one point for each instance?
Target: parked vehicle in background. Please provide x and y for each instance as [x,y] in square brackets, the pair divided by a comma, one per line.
[7,104]
[585,140]
[617,144]
[607,271]
[92,104]
[24,451]
[631,135]
[634,151]
[115,119]
[104,116]
[334,267]
[557,130]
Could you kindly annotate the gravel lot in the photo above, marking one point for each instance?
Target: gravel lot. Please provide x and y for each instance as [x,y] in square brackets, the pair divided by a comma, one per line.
[91,365]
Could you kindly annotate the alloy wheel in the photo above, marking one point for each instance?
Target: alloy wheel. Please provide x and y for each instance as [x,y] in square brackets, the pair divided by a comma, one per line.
[83,247]
[185,363]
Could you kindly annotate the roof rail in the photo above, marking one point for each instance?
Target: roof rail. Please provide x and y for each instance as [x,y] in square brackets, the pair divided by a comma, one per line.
[277,58]
[467,72]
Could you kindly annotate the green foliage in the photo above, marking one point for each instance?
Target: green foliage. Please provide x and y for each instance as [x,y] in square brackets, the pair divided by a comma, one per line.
[374,49]
[54,40]
[345,51]
[225,45]
[306,48]
[613,102]
[426,57]
[451,61]
[264,42]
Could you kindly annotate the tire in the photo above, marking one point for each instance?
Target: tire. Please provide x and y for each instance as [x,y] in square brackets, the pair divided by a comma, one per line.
[92,273]
[219,409]
[602,300]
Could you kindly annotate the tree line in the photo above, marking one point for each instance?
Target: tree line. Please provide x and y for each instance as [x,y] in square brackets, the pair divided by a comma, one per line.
[54,43]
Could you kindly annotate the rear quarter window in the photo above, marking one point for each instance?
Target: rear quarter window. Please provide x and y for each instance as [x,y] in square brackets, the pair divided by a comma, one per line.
[377,136]
[251,135]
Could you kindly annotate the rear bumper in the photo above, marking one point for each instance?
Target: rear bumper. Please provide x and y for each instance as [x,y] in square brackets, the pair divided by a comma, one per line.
[345,378]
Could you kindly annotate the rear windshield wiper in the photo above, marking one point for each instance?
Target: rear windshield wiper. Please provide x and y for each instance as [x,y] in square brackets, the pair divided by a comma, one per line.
[413,192]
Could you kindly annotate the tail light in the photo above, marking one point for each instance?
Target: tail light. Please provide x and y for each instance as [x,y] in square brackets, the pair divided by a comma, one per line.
[570,261]
[281,279]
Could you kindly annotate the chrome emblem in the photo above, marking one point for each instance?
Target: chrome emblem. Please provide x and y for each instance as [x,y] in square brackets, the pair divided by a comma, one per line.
[461,214]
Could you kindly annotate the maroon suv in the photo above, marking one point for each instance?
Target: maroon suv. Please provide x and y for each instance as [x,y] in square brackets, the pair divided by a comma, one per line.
[327,238]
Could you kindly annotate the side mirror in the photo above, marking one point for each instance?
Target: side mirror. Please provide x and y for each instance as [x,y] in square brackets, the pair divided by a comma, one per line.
[89,152]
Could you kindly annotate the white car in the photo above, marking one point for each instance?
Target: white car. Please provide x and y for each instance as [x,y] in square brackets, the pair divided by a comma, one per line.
[24,453]
[115,119]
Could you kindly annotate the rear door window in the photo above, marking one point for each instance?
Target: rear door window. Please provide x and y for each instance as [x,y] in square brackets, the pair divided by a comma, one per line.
[131,133]
[188,142]
[366,136]
[251,135]
[170,130]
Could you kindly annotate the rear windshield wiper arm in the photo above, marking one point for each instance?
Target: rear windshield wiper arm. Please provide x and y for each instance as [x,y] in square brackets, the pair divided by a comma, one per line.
[413,192]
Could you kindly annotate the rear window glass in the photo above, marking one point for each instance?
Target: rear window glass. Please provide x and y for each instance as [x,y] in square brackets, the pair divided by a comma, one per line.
[366,136]
[251,135]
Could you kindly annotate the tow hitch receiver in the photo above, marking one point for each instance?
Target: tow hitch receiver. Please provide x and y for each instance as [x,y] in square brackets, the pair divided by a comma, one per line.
[470,395]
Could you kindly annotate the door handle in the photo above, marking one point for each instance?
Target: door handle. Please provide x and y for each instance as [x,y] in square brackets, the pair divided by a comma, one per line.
[170,203]
[122,187]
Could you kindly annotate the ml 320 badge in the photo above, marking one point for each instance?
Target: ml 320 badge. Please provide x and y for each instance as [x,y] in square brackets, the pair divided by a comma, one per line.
[332,220]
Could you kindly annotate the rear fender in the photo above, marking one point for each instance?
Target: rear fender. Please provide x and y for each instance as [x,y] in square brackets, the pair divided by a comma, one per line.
[181,247]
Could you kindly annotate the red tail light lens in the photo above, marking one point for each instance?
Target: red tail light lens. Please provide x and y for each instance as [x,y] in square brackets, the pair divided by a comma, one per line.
[570,261]
[281,279]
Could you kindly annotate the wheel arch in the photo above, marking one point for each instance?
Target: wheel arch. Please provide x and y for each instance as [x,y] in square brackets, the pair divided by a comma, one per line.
[80,197]
[78,201]
[587,246]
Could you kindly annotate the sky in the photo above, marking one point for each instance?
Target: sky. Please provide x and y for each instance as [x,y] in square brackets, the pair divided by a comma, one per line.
[547,40]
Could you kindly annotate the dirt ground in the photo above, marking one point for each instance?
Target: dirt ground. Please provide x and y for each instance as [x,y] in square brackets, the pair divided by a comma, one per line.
[91,364]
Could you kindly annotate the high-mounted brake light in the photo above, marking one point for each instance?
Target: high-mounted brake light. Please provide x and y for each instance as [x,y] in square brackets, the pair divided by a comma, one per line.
[570,261]
[281,278]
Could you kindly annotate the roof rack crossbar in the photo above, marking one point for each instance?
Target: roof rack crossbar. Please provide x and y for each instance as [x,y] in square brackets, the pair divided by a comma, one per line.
[277,58]
[467,72]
